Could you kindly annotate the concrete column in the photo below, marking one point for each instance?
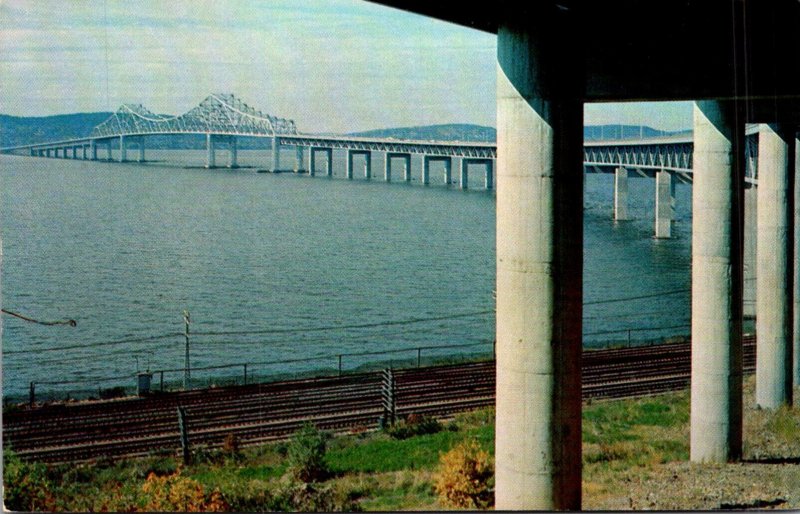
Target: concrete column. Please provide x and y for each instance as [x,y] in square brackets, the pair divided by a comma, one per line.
[664,204]
[796,259]
[464,173]
[312,156]
[348,172]
[539,264]
[426,170]
[621,194]
[387,167]
[407,168]
[774,266]
[123,149]
[329,167]
[233,153]
[750,238]
[276,154]
[368,165]
[93,150]
[489,182]
[298,159]
[109,155]
[141,148]
[74,152]
[84,151]
[716,390]
[211,158]
[448,165]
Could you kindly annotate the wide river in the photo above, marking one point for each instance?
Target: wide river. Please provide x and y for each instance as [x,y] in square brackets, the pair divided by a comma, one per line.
[297,267]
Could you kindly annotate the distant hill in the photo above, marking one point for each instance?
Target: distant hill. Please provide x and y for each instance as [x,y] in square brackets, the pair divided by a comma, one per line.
[16,131]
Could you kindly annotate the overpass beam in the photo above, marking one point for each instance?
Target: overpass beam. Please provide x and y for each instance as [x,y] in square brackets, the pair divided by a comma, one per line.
[716,386]
[232,153]
[774,266]
[298,159]
[665,199]
[211,157]
[539,265]
[621,194]
[276,154]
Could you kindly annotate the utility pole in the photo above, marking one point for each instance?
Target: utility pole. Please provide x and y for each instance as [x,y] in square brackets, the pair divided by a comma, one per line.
[186,367]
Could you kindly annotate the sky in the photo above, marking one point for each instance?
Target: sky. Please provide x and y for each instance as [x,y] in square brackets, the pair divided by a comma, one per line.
[331,65]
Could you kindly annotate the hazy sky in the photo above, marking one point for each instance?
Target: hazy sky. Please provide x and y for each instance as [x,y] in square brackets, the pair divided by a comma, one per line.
[331,65]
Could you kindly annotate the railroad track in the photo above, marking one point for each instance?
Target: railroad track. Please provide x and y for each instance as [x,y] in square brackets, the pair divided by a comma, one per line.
[258,413]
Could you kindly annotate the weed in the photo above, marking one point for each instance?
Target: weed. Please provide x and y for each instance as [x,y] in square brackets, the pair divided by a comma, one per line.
[465,478]
[306,454]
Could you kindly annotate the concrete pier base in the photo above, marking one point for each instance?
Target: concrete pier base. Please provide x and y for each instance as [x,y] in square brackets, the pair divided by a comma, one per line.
[621,194]
[716,387]
[211,158]
[233,158]
[775,270]
[539,265]
[276,154]
[665,202]
[298,159]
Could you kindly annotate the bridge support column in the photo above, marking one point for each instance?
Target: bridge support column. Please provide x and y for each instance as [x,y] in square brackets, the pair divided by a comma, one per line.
[329,167]
[348,172]
[448,165]
[211,157]
[407,168]
[368,165]
[74,152]
[796,329]
[750,237]
[774,266]
[276,154]
[665,200]
[84,151]
[109,155]
[620,194]
[298,159]
[716,389]
[232,153]
[387,167]
[93,150]
[140,140]
[488,182]
[123,149]
[426,170]
[312,161]
[539,265]
[463,184]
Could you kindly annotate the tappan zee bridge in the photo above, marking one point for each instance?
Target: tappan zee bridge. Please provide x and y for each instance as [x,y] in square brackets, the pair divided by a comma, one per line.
[224,118]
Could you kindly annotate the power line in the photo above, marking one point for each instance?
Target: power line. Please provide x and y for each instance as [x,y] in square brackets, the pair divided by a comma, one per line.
[94,345]
[642,297]
[70,322]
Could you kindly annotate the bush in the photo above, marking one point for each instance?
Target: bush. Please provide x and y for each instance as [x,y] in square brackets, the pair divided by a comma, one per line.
[295,496]
[25,485]
[465,477]
[415,424]
[172,493]
[306,454]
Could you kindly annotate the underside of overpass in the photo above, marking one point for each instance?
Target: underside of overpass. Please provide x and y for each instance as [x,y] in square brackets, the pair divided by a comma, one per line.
[738,61]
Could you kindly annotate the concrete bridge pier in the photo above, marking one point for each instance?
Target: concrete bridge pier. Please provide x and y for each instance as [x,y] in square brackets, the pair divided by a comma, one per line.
[665,204]
[74,150]
[109,156]
[426,170]
[211,157]
[775,269]
[387,167]
[140,142]
[750,279]
[298,159]
[329,162]
[93,150]
[123,149]
[621,194]
[84,151]
[488,182]
[353,153]
[312,161]
[463,183]
[368,165]
[276,154]
[448,165]
[796,317]
[348,172]
[232,153]
[539,263]
[48,153]
[407,168]
[717,275]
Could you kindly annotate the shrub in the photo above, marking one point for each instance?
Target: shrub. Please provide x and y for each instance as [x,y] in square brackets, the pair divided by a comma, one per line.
[306,454]
[465,477]
[178,493]
[414,424]
[25,485]
[292,495]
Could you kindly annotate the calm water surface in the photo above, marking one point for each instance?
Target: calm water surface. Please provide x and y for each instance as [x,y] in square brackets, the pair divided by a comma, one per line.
[124,249]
